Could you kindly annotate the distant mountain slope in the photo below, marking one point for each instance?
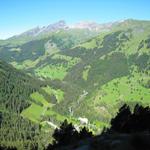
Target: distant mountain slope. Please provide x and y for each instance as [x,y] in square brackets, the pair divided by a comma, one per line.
[60,25]
[46,31]
[20,51]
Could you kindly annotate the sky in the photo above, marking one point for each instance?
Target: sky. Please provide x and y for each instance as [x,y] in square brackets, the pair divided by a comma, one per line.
[17,16]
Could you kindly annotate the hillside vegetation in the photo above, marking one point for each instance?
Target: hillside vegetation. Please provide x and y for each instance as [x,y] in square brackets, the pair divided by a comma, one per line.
[73,73]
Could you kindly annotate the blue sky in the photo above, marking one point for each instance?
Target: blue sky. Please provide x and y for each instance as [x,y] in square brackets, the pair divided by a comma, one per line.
[17,16]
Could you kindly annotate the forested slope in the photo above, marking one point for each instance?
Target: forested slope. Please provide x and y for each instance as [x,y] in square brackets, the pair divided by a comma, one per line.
[15,88]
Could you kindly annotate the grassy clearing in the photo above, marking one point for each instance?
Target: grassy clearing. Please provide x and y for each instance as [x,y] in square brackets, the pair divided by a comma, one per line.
[64,57]
[25,64]
[15,50]
[125,90]
[33,113]
[39,98]
[52,72]
[36,112]
[57,71]
[90,45]
[28,63]
[57,116]
[58,93]
[130,46]
[85,73]
[94,43]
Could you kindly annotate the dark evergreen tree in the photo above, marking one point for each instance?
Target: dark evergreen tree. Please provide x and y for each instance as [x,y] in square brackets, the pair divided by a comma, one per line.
[118,122]
[85,133]
[66,134]
[127,122]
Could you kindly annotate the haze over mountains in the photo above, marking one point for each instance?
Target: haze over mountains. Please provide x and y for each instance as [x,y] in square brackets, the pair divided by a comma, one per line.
[59,72]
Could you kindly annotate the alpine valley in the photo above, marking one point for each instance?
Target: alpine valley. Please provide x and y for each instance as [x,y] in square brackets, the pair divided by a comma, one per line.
[57,72]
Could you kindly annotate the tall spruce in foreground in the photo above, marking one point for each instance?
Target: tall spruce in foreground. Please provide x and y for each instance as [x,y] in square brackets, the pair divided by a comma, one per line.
[127,122]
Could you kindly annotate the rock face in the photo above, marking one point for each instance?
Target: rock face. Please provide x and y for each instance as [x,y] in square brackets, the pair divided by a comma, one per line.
[58,25]
[92,25]
[32,32]
[87,25]
[61,25]
[50,28]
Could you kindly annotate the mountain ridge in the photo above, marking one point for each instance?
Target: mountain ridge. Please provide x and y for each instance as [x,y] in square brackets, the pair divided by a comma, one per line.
[61,24]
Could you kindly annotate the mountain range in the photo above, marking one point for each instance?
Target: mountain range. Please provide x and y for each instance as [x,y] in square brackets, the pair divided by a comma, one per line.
[62,25]
[59,72]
